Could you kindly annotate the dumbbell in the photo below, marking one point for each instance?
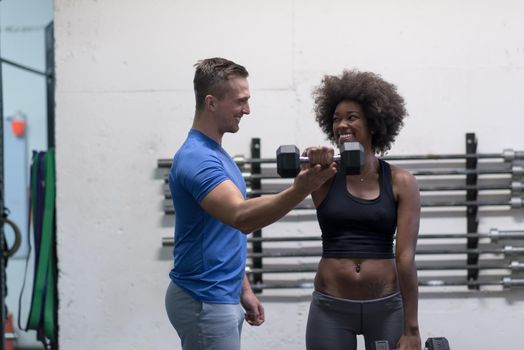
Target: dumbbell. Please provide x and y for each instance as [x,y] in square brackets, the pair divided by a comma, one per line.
[437,343]
[351,159]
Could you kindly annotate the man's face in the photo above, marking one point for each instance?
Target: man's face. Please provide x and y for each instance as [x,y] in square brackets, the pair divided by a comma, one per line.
[232,107]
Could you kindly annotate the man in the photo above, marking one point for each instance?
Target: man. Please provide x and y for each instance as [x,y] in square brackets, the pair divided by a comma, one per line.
[208,283]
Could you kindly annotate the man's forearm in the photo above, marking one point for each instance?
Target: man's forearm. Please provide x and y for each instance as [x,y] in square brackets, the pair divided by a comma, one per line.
[259,212]
[246,286]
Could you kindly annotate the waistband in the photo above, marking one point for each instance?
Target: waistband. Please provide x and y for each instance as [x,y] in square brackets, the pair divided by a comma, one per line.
[391,301]
[387,297]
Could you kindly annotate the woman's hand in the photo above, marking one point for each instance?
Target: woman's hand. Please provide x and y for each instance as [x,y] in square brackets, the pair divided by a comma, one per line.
[409,342]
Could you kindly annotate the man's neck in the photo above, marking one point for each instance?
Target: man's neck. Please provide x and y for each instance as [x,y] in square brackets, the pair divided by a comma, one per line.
[205,125]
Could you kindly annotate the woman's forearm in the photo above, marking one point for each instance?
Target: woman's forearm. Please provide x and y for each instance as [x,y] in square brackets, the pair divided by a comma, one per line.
[407,272]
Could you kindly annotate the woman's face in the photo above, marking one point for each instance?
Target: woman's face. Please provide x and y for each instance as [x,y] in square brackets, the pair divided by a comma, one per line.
[349,124]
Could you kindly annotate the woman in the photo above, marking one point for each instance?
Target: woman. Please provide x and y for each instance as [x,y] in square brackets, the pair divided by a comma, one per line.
[363,285]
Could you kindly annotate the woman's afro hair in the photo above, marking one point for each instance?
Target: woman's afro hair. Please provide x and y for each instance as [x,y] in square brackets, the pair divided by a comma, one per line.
[383,107]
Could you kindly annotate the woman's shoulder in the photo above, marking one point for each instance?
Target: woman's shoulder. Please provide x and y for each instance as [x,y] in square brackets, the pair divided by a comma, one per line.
[402,178]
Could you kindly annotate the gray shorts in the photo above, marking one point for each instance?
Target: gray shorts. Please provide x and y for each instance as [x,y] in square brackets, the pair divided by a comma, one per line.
[333,323]
[203,326]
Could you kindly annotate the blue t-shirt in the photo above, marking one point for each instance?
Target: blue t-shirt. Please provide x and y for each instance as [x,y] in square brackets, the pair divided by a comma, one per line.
[209,256]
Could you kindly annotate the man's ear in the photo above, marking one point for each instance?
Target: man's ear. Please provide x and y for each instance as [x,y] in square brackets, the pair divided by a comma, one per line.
[210,102]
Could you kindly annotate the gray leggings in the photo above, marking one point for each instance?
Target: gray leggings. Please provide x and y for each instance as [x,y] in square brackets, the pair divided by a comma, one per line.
[333,323]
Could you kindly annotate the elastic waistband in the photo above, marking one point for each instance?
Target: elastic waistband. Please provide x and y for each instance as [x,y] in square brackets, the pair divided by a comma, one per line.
[367,301]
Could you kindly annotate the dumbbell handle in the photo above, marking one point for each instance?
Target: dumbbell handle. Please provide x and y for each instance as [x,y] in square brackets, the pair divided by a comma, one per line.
[337,157]
[422,349]
[385,346]
[305,159]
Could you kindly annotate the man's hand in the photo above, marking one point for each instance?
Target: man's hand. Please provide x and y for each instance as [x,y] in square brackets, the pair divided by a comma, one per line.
[254,311]
[320,169]
[319,155]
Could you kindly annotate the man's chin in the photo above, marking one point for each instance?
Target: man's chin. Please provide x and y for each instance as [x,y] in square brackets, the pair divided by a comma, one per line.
[234,130]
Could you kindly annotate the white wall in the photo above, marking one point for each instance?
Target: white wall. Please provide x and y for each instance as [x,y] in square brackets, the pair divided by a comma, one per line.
[124,99]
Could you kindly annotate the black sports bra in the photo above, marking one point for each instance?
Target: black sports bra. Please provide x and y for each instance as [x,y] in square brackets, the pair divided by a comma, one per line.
[353,227]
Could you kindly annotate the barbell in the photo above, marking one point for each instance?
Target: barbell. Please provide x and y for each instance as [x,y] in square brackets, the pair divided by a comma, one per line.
[508,155]
[494,234]
[505,282]
[421,250]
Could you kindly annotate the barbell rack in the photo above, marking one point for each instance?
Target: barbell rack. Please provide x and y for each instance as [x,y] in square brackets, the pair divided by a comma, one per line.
[473,181]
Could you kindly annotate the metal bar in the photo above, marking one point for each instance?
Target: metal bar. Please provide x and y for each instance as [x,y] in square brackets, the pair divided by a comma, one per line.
[240,160]
[513,203]
[297,284]
[506,282]
[256,185]
[50,84]
[513,266]
[50,97]
[515,170]
[514,186]
[2,209]
[20,66]
[284,239]
[511,169]
[316,252]
[494,235]
[472,209]
[164,163]
[506,155]
[459,265]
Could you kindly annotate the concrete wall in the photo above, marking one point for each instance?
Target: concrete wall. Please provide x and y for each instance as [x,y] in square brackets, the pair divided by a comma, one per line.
[124,99]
